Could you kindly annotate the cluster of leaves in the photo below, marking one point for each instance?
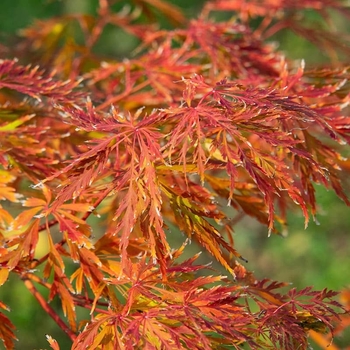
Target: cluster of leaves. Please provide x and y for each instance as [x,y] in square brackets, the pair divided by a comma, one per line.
[203,124]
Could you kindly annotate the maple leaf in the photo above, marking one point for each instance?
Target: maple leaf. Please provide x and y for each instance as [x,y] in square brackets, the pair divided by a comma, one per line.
[63,288]
[6,193]
[153,313]
[7,328]
[35,83]
[20,247]
[291,16]
[53,342]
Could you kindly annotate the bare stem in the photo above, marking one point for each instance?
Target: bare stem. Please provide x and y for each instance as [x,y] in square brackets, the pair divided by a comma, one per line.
[44,226]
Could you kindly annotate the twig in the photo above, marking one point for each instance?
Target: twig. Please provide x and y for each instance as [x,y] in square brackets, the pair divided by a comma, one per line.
[48,309]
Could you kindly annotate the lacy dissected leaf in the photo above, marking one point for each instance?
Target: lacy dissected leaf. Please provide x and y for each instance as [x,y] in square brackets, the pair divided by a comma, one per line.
[7,193]
[54,260]
[35,82]
[21,246]
[63,213]
[172,55]
[93,339]
[135,177]
[290,332]
[190,218]
[170,11]
[90,268]
[340,327]
[258,7]
[292,16]
[168,317]
[74,230]
[5,217]
[56,42]
[226,126]
[284,318]
[26,153]
[228,138]
[62,287]
[53,342]
[7,329]
[197,312]
[4,274]
[32,135]
[143,200]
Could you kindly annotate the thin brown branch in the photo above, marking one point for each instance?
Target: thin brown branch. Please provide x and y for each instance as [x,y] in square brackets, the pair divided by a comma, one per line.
[87,304]
[46,225]
[48,309]
[38,280]
[97,203]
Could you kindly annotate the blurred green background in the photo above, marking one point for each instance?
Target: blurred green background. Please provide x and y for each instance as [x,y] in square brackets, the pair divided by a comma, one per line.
[318,256]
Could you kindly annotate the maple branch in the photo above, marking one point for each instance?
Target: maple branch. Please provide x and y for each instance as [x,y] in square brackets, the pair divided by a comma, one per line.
[44,226]
[98,27]
[37,279]
[48,309]
[276,28]
[86,302]
[97,203]
[234,221]
[89,306]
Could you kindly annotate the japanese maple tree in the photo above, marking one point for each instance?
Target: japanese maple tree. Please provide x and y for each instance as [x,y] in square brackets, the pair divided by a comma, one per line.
[204,123]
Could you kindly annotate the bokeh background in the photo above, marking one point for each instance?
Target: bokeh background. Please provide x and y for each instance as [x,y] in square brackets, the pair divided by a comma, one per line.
[318,256]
